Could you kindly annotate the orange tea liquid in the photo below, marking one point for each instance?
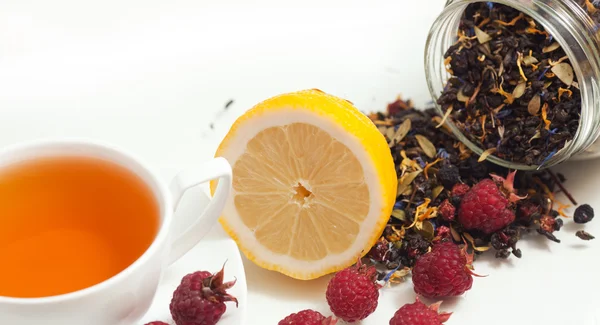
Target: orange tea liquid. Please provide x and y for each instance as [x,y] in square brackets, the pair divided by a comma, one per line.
[68,223]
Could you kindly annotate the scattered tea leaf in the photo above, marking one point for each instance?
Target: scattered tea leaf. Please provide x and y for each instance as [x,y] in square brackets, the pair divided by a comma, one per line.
[405,181]
[501,131]
[482,36]
[426,229]
[389,133]
[537,135]
[426,145]
[482,248]
[470,239]
[455,234]
[443,120]
[529,60]
[436,191]
[552,47]
[399,214]
[584,235]
[486,154]
[501,69]
[402,131]
[564,72]
[519,90]
[534,105]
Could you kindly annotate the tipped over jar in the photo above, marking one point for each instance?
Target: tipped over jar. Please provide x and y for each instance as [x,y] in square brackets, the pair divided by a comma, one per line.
[518,81]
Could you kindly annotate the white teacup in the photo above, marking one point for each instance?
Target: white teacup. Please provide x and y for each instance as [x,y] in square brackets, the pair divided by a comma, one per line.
[127,296]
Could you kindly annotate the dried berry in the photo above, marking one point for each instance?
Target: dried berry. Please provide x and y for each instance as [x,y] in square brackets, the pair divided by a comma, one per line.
[459,190]
[448,175]
[583,214]
[447,211]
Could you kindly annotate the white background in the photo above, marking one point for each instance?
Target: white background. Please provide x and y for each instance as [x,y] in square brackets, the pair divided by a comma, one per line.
[153,75]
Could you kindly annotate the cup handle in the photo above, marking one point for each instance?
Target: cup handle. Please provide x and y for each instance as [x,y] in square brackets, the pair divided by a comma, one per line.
[216,168]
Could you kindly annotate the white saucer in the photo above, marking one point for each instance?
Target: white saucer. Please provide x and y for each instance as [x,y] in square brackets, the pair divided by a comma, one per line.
[209,255]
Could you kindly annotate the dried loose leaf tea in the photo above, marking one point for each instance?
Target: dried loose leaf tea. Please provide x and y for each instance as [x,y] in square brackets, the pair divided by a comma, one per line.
[431,190]
[504,69]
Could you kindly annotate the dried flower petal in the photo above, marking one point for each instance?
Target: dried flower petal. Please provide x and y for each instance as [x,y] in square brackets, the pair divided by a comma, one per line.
[519,90]
[529,60]
[545,116]
[561,91]
[482,36]
[534,105]
[519,61]
[436,191]
[448,112]
[389,133]
[501,131]
[512,22]
[550,48]
[537,135]
[402,131]
[400,215]
[405,181]
[509,97]
[470,239]
[486,154]
[564,72]
[426,145]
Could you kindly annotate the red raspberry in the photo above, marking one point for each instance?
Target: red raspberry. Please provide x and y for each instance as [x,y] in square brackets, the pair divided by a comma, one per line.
[200,298]
[307,317]
[487,206]
[447,210]
[442,272]
[418,313]
[352,293]
[459,189]
[157,323]
[442,232]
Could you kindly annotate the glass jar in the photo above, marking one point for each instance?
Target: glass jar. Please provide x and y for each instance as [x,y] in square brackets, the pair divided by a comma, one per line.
[576,32]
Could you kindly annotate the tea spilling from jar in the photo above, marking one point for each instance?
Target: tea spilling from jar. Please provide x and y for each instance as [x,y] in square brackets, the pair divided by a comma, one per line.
[512,90]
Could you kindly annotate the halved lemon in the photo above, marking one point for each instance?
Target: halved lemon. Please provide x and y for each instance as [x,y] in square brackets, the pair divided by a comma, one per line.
[314,184]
